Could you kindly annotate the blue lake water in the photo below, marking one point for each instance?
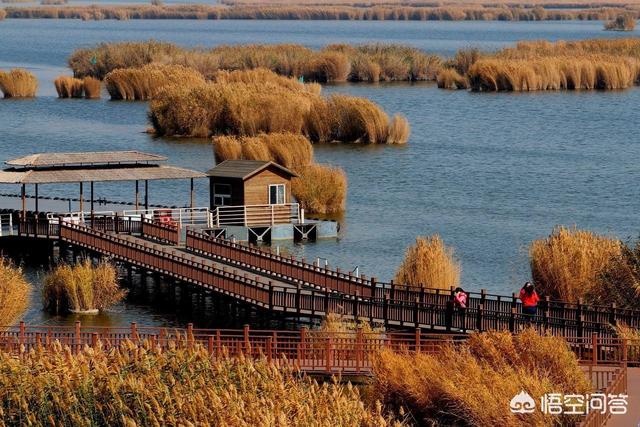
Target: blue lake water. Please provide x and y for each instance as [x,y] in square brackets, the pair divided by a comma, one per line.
[488,172]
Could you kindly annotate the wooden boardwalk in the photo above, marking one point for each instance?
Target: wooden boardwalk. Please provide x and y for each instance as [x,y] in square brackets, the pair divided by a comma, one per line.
[300,289]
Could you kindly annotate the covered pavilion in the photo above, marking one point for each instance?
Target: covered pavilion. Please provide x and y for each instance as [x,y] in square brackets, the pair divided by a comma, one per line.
[91,167]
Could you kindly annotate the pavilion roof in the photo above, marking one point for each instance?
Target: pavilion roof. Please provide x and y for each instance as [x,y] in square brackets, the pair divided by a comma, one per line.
[93,174]
[84,158]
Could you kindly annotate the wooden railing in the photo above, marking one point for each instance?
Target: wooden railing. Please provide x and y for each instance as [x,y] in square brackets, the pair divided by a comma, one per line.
[278,266]
[616,385]
[435,311]
[486,310]
[38,227]
[310,350]
[252,215]
[161,232]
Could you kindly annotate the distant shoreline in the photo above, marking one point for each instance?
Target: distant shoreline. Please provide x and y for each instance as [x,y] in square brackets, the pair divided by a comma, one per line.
[489,12]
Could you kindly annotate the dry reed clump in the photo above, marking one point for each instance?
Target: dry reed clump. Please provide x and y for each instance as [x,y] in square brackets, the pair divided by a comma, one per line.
[569,264]
[248,103]
[91,88]
[82,287]
[99,61]
[449,78]
[333,63]
[138,385]
[18,83]
[144,83]
[429,263]
[14,293]
[554,73]
[69,87]
[472,383]
[368,12]
[320,189]
[289,150]
[624,22]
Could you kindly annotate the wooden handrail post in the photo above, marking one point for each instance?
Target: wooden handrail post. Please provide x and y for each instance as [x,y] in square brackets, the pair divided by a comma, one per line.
[546,314]
[21,333]
[134,332]
[579,318]
[270,295]
[385,307]
[612,315]
[512,320]
[359,348]
[625,351]
[356,302]
[77,335]
[218,343]
[448,316]
[301,345]
[329,355]
[210,345]
[247,344]
[479,317]
[594,346]
[268,350]
[418,346]
[94,340]
[416,308]
[190,338]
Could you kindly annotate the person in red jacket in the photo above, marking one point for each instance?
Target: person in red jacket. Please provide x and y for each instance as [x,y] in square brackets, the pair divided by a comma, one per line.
[529,298]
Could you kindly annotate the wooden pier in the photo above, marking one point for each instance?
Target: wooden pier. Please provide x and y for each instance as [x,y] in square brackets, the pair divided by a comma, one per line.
[298,289]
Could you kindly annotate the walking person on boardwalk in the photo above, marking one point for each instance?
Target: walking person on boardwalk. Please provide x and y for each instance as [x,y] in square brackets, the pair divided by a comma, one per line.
[529,298]
[460,301]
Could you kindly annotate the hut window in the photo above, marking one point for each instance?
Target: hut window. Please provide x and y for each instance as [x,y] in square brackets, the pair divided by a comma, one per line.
[276,194]
[221,194]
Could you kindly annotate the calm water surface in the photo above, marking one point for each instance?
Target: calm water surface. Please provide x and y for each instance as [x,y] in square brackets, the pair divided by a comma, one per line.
[488,172]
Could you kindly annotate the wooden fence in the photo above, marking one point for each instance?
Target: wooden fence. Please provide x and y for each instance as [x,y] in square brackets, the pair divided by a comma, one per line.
[309,350]
[161,232]
[433,311]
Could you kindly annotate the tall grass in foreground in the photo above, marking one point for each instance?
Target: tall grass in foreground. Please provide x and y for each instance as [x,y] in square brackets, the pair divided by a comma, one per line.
[140,386]
[429,263]
[3,14]
[570,264]
[248,103]
[14,293]
[472,384]
[18,83]
[82,287]
[144,83]
[624,22]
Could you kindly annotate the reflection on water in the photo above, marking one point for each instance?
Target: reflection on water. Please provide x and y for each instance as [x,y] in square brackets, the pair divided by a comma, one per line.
[488,172]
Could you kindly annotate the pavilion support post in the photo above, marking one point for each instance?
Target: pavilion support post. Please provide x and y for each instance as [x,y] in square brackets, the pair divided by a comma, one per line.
[81,199]
[192,201]
[24,202]
[193,195]
[37,207]
[146,194]
[137,195]
[91,199]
